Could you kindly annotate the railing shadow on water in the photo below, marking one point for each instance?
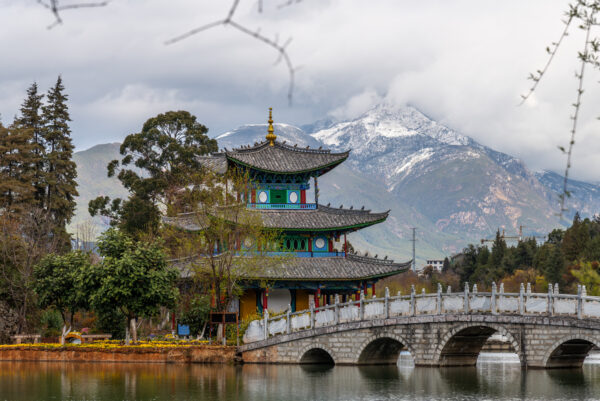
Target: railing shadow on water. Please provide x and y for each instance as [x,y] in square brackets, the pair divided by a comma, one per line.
[496,302]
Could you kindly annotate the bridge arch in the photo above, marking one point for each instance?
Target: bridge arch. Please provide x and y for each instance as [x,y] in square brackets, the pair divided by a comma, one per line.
[316,354]
[381,349]
[461,345]
[569,351]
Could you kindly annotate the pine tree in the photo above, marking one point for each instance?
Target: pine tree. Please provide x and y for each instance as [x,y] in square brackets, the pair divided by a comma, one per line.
[61,170]
[31,119]
[15,180]
[556,266]
[498,250]
[575,239]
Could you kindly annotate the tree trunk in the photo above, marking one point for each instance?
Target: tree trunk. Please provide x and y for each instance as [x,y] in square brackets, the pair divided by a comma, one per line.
[64,334]
[127,338]
[133,330]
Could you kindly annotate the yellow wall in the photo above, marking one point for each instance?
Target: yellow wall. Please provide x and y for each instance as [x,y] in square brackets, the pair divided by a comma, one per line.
[248,304]
[301,300]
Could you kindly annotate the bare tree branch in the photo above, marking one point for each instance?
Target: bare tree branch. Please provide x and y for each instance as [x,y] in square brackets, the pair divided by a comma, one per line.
[228,21]
[55,7]
[584,60]
[551,50]
[584,11]
[288,3]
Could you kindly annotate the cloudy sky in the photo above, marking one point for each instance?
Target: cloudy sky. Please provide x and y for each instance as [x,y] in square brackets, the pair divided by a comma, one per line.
[463,63]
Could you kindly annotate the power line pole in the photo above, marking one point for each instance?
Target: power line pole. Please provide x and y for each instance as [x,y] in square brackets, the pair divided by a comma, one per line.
[414,241]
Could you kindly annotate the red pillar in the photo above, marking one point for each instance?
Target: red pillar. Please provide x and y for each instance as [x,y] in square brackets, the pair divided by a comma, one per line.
[266,299]
[318,294]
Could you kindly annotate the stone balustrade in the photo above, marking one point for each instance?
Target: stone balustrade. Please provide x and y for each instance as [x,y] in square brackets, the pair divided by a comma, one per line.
[496,302]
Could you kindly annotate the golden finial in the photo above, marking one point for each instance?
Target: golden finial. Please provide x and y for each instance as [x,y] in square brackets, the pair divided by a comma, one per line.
[271,136]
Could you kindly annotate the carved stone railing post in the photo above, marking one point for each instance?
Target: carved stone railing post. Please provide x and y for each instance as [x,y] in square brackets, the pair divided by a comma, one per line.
[583,299]
[413,306]
[386,303]
[362,305]
[336,311]
[521,303]
[550,301]
[311,312]
[493,300]
[288,320]
[266,324]
[466,298]
[439,299]
[580,290]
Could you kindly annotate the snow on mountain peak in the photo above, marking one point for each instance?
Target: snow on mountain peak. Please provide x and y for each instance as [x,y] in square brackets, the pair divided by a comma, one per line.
[388,121]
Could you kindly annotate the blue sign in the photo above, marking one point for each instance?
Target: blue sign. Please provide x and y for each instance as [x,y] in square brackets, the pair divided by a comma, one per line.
[183,329]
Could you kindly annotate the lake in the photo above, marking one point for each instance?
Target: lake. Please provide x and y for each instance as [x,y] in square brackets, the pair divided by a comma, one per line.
[496,377]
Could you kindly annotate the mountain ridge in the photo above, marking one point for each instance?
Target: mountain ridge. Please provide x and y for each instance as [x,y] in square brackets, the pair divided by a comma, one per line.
[452,188]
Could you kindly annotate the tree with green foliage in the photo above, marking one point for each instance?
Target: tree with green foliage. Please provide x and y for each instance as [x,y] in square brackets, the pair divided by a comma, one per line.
[214,254]
[31,119]
[15,181]
[196,313]
[575,239]
[133,278]
[61,170]
[556,236]
[446,265]
[58,284]
[157,163]
[24,241]
[555,267]
[589,275]
[498,250]
[592,249]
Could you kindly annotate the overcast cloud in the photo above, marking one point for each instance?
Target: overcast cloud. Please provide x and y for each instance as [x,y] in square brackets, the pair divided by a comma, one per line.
[464,63]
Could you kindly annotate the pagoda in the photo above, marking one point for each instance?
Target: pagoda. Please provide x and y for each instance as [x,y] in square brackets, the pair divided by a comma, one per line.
[313,235]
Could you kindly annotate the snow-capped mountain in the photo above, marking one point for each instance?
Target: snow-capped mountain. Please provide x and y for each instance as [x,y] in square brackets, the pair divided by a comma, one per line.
[461,187]
[453,189]
[250,133]
[465,188]
[584,197]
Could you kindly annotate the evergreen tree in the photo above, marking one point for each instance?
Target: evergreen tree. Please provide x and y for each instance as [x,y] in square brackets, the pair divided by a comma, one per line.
[31,119]
[15,182]
[446,265]
[524,254]
[498,250]
[555,266]
[556,236]
[575,239]
[61,170]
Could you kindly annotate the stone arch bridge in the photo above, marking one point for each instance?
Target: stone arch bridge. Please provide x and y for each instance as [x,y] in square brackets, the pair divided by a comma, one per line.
[547,330]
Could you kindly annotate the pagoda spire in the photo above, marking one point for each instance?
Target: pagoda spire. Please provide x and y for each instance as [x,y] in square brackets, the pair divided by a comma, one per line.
[271,136]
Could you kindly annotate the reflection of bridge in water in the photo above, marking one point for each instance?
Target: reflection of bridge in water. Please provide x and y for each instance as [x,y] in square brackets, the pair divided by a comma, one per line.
[545,330]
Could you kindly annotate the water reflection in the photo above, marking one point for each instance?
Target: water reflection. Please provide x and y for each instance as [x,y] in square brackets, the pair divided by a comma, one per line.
[22,381]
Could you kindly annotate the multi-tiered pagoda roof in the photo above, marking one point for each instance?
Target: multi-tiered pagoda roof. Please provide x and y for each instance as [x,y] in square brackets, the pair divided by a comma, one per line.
[313,235]
[321,218]
[276,158]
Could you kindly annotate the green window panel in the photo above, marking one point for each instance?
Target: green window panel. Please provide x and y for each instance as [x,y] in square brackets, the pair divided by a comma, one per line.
[278,196]
[294,244]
